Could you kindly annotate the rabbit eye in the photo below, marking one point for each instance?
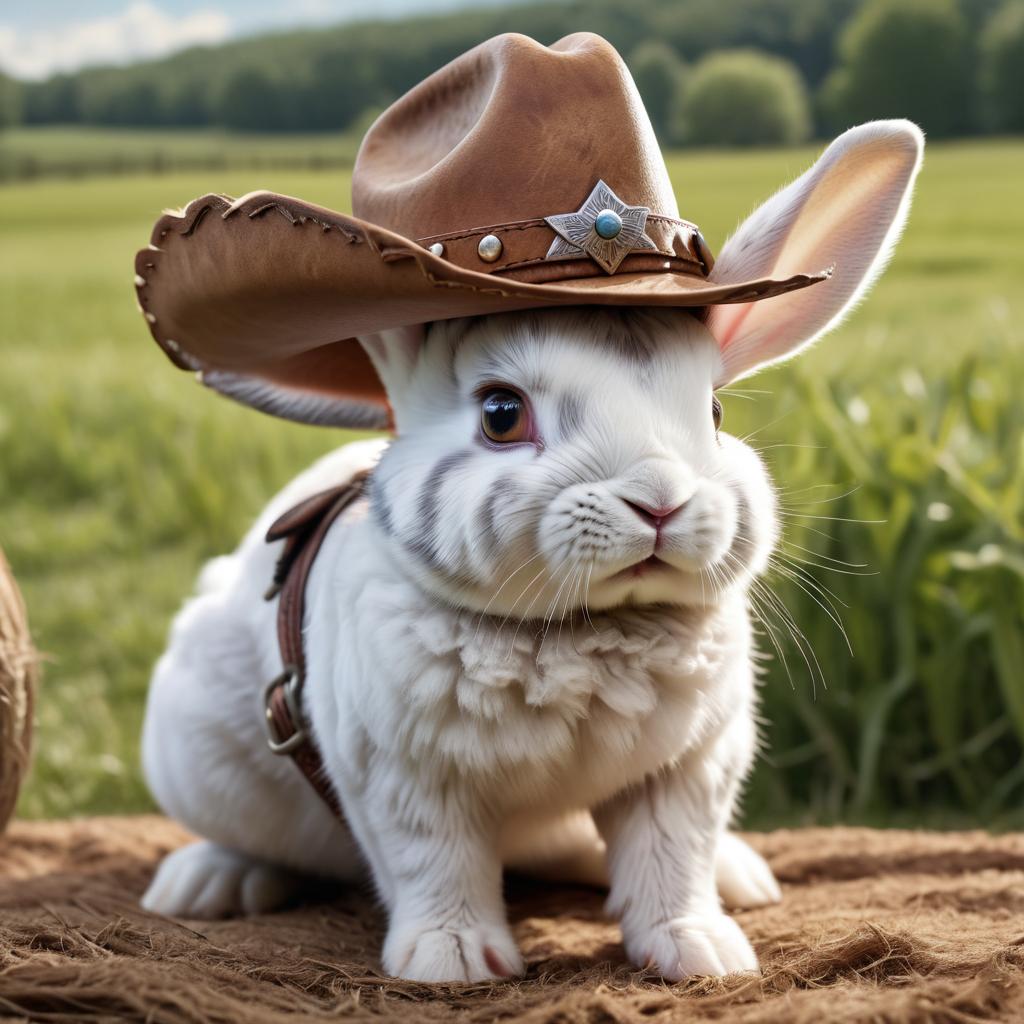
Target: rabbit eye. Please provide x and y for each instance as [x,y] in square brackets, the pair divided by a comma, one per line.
[716,412]
[503,416]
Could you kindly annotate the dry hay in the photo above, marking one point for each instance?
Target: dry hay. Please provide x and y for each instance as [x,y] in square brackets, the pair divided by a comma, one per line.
[17,682]
[876,926]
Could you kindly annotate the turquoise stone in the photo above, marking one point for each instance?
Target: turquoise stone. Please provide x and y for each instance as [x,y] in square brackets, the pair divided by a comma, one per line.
[608,224]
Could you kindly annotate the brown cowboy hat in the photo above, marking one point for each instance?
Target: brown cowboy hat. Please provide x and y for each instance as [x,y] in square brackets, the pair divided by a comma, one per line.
[518,176]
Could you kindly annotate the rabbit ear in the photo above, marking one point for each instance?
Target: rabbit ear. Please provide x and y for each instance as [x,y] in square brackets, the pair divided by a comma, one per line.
[846,213]
[393,353]
[298,404]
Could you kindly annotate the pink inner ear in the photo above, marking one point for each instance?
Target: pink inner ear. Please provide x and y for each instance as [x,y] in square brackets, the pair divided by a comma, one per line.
[727,322]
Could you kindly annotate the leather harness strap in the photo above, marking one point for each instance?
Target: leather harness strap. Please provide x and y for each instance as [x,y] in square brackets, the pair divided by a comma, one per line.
[303,529]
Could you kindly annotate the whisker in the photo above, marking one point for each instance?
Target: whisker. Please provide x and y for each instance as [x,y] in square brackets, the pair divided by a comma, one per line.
[761,616]
[523,617]
[821,533]
[795,561]
[828,558]
[800,638]
[549,612]
[822,501]
[508,579]
[787,444]
[571,596]
[803,644]
[828,609]
[834,519]
[766,426]
[586,597]
[796,573]
[821,588]
[744,391]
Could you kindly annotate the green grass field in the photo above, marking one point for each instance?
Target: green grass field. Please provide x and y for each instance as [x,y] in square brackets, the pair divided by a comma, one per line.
[119,475]
[77,152]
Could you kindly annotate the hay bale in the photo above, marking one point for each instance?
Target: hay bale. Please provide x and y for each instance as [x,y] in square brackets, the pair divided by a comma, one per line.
[18,665]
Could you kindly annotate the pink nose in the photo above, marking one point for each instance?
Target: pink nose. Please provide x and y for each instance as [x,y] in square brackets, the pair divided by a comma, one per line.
[655,516]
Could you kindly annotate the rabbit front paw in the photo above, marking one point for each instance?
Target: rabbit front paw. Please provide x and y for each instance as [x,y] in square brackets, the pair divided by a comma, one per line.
[208,882]
[451,952]
[698,944]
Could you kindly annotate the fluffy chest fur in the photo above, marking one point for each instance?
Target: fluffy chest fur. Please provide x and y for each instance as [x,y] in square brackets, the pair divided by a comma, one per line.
[559,714]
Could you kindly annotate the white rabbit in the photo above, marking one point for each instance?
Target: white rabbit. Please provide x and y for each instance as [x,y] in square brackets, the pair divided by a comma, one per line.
[536,622]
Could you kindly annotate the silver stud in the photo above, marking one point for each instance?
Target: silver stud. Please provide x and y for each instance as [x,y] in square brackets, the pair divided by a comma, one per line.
[437,249]
[490,248]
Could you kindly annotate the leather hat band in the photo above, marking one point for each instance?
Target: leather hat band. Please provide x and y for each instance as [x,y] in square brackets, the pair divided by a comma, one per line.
[521,250]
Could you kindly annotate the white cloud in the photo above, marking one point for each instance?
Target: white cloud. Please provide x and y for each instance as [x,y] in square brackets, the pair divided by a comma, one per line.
[140,31]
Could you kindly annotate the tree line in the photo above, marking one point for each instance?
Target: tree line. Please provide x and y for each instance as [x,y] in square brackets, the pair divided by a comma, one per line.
[742,72]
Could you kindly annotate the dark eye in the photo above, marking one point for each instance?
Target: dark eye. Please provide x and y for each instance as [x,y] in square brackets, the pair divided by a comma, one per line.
[716,412]
[503,416]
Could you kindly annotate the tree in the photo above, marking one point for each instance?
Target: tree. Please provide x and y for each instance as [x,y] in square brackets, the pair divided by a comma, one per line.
[659,75]
[339,88]
[124,102]
[910,57]
[55,101]
[1001,74]
[903,58]
[188,103]
[803,31]
[250,101]
[10,102]
[744,98]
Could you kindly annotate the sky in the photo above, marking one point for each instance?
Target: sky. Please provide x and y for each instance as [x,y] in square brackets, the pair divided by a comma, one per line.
[40,38]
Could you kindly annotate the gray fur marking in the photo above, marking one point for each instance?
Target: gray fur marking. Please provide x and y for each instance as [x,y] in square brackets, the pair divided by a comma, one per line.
[502,489]
[424,544]
[380,507]
[570,414]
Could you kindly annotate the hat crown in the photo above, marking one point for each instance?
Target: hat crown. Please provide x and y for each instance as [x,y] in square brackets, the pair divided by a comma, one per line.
[510,131]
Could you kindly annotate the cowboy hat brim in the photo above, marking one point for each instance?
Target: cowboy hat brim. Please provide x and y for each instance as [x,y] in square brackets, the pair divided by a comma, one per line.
[265,295]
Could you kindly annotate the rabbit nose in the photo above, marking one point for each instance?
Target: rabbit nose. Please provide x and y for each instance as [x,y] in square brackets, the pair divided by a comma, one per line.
[654,515]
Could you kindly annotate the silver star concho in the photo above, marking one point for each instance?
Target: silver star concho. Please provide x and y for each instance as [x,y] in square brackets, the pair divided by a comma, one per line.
[577,233]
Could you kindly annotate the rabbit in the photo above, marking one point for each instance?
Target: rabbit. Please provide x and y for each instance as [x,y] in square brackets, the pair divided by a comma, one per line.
[528,644]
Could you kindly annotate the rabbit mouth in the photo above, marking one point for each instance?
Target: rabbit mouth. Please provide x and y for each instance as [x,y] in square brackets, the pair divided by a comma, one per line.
[642,568]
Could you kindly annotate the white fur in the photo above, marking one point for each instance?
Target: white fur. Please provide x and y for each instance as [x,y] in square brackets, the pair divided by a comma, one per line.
[491,680]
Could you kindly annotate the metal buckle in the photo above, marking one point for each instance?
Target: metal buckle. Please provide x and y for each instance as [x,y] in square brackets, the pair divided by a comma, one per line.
[289,678]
